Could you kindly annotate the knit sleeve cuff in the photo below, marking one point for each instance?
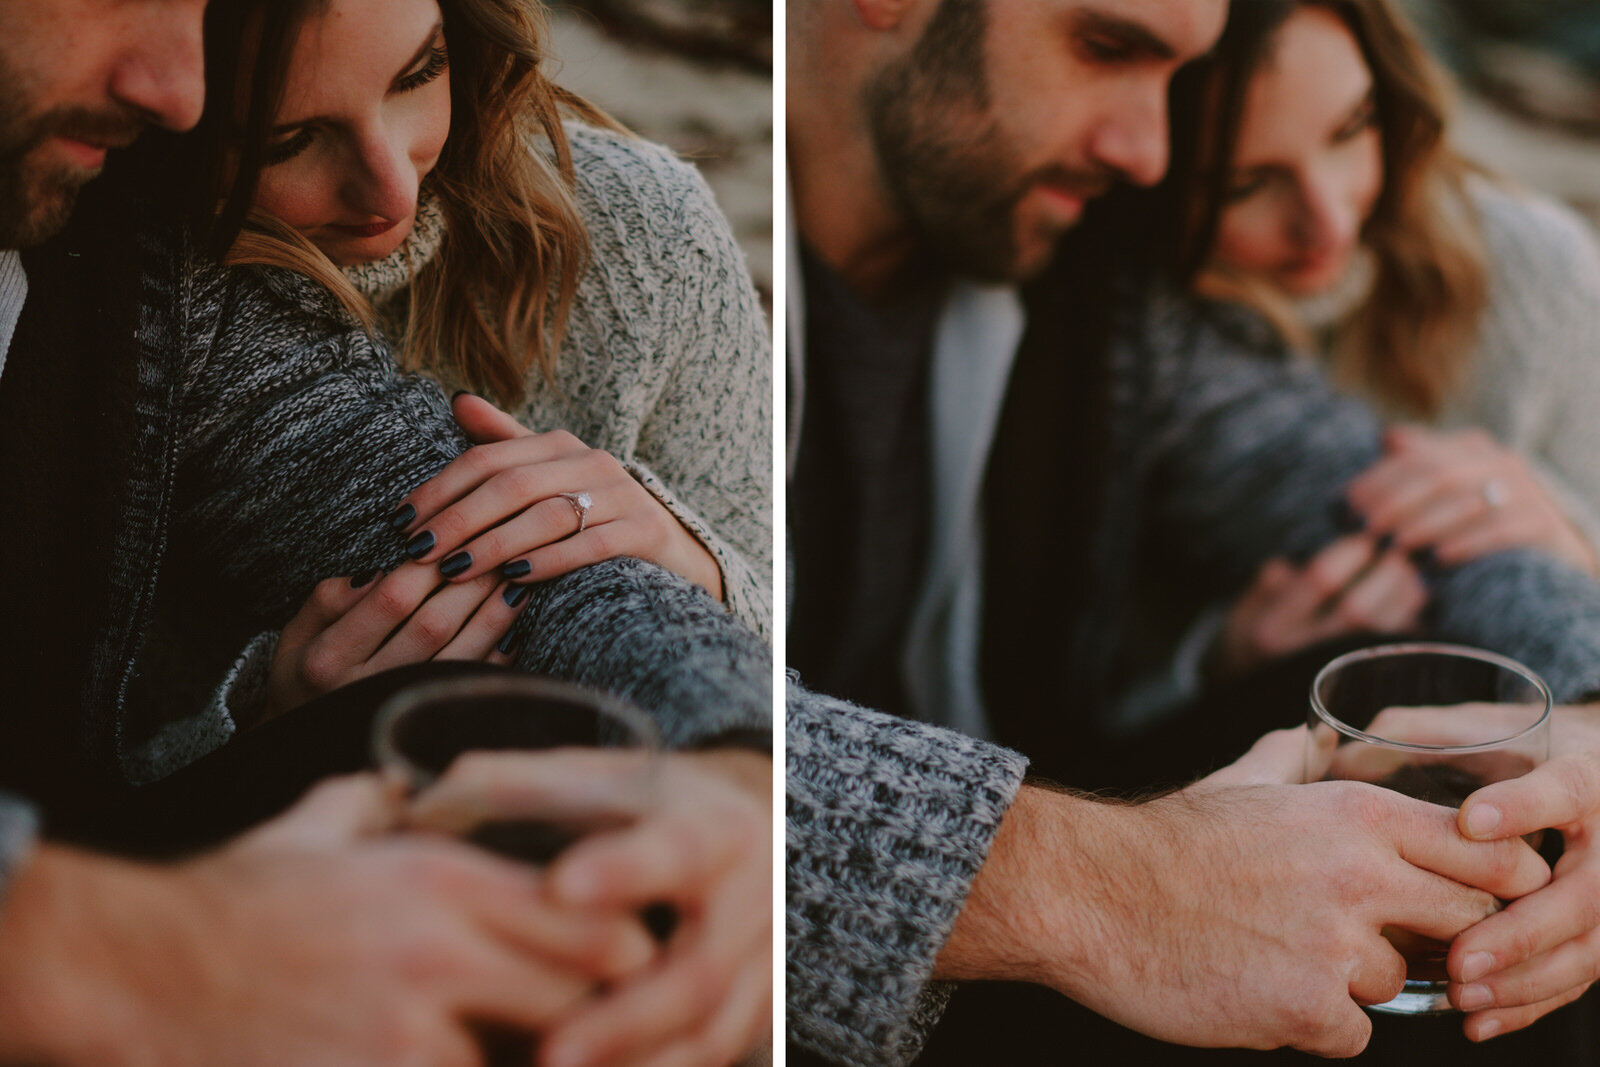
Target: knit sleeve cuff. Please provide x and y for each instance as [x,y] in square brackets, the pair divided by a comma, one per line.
[888,823]
[746,587]
[241,697]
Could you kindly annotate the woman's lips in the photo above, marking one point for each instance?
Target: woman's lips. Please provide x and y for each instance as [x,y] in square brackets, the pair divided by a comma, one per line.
[376,229]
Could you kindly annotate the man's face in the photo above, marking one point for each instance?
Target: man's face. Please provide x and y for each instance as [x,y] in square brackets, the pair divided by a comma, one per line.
[79,77]
[1009,115]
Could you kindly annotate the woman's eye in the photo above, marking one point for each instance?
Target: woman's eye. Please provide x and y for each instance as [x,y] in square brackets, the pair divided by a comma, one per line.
[287,149]
[438,62]
[1365,117]
[1243,187]
[1103,48]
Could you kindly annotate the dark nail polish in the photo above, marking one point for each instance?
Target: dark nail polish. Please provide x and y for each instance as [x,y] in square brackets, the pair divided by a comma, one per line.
[514,595]
[454,565]
[508,643]
[1385,543]
[402,517]
[1425,558]
[420,545]
[1346,518]
[360,580]
[459,393]
[517,568]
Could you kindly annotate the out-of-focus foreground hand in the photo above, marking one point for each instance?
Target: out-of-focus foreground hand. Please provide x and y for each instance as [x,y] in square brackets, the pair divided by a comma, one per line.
[1238,912]
[1543,951]
[317,939]
[702,843]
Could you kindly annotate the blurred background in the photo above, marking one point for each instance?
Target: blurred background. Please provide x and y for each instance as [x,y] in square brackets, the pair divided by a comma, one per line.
[695,75]
[1530,77]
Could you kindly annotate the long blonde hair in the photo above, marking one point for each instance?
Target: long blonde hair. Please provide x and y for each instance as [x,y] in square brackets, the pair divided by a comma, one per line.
[493,303]
[1410,341]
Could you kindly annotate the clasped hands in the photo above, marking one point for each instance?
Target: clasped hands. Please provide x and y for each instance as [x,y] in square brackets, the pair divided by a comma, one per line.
[1542,951]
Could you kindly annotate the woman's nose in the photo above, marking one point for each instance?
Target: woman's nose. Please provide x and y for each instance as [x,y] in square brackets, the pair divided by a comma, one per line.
[1327,217]
[385,182]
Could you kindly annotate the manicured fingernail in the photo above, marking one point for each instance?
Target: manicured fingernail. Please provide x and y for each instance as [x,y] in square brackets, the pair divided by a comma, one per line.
[1475,998]
[1482,821]
[508,643]
[517,568]
[1490,1028]
[454,565]
[1425,558]
[1475,966]
[402,517]
[459,393]
[360,580]
[420,545]
[514,595]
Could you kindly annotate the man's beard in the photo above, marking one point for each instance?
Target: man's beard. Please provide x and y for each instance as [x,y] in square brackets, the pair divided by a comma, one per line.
[36,198]
[953,173]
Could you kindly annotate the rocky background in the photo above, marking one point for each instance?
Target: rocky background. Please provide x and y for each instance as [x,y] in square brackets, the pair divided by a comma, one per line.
[695,75]
[1530,77]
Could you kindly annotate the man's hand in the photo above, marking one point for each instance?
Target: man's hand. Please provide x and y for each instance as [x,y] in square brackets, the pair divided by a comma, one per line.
[1543,951]
[702,844]
[1237,912]
[310,941]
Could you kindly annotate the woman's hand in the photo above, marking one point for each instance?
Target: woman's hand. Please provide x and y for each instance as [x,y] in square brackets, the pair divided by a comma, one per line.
[1355,585]
[1463,495]
[347,631]
[516,501]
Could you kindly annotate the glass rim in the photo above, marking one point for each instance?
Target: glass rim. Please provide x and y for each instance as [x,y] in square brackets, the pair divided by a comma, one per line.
[388,754]
[1429,648]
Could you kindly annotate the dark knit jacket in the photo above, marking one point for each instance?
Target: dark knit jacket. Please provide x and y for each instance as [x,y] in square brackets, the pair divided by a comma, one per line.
[262,442]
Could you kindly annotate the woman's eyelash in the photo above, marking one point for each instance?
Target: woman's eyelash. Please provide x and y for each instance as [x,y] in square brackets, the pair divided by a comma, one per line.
[284,151]
[438,62]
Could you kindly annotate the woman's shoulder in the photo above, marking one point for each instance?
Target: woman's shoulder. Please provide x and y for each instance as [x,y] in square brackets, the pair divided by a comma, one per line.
[1534,242]
[640,193]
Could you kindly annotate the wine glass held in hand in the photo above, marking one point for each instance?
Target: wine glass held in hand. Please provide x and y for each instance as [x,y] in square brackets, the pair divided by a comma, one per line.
[422,731]
[1435,722]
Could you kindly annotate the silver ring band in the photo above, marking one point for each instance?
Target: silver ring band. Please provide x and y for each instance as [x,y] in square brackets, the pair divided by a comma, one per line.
[581,503]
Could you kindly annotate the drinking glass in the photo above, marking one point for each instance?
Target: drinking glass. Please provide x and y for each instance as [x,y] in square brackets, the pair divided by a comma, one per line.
[1435,722]
[421,730]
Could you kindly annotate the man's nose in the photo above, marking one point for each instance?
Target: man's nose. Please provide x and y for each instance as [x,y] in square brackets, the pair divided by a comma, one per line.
[1132,139]
[160,71]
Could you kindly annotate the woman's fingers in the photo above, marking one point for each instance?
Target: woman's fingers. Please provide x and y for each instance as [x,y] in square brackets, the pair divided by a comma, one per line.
[482,422]
[415,514]
[434,624]
[487,635]
[481,530]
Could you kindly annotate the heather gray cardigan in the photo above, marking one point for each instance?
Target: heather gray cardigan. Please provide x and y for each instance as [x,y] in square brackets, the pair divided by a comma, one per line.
[888,821]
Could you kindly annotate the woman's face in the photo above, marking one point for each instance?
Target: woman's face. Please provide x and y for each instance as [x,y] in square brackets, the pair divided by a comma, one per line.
[365,114]
[1309,165]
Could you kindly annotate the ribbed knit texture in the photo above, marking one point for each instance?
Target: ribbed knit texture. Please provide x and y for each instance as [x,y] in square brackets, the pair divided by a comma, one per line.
[666,362]
[13,293]
[888,821]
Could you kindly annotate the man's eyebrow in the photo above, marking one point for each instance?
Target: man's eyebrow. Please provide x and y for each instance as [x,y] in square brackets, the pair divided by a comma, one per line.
[1138,37]
[422,50]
